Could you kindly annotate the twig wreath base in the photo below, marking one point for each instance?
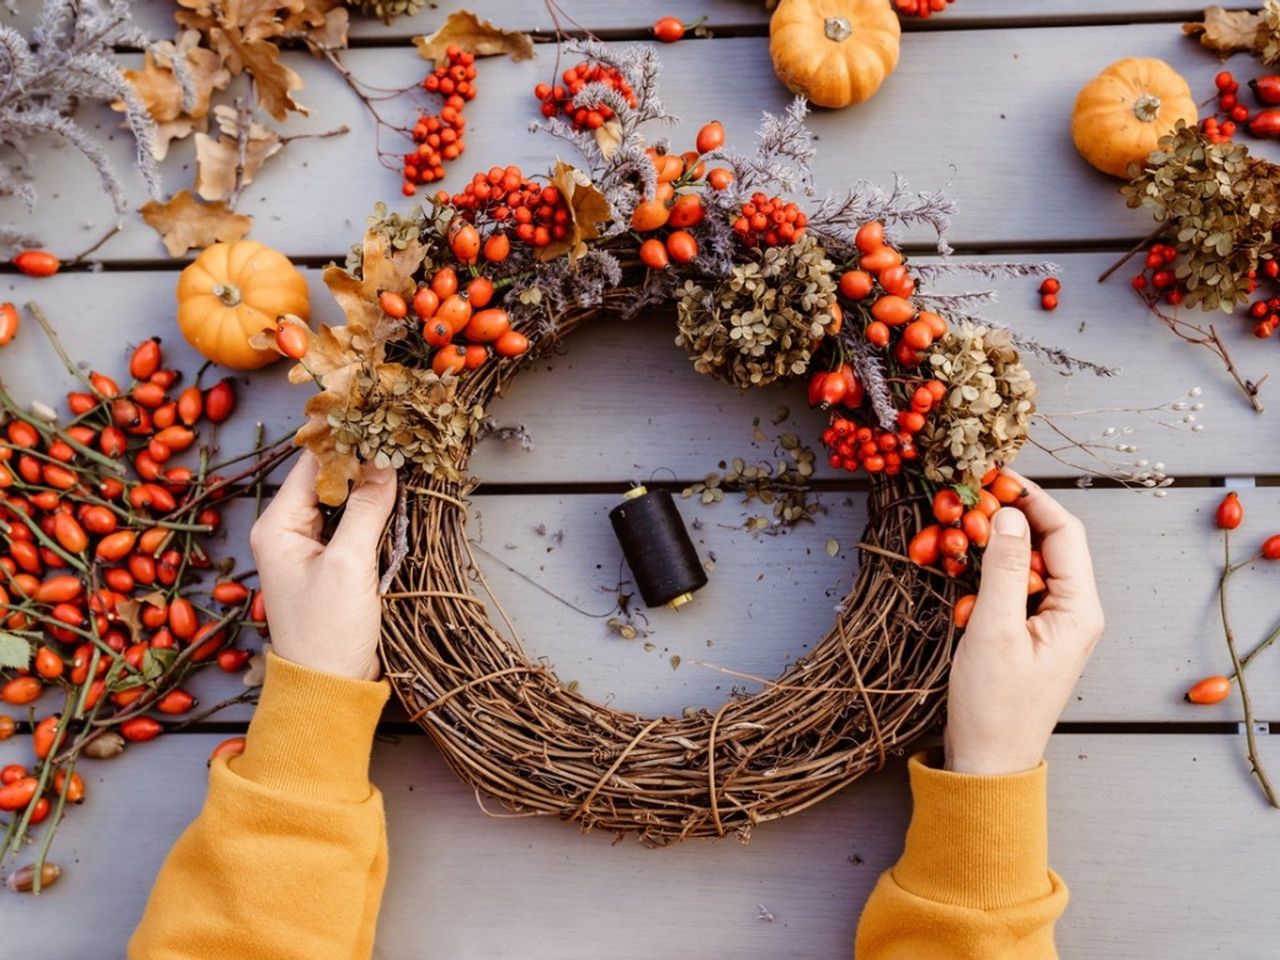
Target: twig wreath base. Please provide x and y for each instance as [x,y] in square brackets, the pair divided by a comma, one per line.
[510,728]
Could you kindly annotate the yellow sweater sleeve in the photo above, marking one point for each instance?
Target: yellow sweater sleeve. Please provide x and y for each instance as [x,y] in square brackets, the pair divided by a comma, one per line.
[288,858]
[974,881]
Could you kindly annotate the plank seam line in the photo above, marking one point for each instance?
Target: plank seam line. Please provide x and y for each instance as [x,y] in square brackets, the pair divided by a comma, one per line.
[737,30]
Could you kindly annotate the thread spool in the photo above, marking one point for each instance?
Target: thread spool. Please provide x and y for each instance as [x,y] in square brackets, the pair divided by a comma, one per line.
[657,547]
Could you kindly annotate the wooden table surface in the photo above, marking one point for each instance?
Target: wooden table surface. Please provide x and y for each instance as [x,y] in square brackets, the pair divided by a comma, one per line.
[1166,844]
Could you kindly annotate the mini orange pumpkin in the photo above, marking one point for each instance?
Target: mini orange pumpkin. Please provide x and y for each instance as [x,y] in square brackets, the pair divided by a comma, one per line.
[834,52]
[1121,114]
[231,292]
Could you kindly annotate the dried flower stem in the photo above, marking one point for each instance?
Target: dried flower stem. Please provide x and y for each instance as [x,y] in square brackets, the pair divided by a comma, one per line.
[97,244]
[1133,251]
[1250,736]
[1208,338]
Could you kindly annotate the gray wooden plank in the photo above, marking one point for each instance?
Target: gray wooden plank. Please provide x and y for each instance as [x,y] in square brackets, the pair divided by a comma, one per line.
[698,421]
[998,139]
[1138,831]
[156,16]
[555,565]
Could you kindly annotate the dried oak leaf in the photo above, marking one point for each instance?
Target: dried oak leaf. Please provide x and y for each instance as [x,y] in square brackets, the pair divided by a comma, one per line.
[217,160]
[588,208]
[1225,31]
[158,89]
[337,470]
[242,33]
[480,37]
[322,23]
[382,268]
[183,222]
[335,361]
[203,66]
[176,111]
[273,81]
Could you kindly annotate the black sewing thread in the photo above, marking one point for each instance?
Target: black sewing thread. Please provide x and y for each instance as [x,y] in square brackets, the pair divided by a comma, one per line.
[657,547]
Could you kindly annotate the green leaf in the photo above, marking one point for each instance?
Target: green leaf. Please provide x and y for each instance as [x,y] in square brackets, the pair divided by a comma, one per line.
[15,652]
[968,496]
[156,662]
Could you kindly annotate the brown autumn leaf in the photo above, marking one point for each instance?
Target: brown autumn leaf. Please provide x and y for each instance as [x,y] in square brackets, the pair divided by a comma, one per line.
[241,32]
[158,89]
[203,66]
[217,160]
[1225,31]
[464,29]
[162,93]
[332,358]
[382,268]
[184,223]
[587,210]
[166,133]
[322,24]
[337,470]
[273,81]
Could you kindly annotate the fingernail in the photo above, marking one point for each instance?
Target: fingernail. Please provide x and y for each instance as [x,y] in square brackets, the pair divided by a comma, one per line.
[1010,522]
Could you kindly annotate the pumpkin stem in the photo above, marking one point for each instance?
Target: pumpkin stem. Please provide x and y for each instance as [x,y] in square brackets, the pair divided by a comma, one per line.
[837,28]
[1147,107]
[228,293]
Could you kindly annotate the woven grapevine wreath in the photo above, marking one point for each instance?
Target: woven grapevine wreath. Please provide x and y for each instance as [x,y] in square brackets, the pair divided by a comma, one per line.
[446,303]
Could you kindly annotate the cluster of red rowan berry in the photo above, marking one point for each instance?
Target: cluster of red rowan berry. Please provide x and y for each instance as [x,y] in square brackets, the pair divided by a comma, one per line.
[1233,111]
[769,222]
[920,8]
[440,136]
[877,450]
[559,98]
[538,213]
[1157,279]
[853,446]
[1265,312]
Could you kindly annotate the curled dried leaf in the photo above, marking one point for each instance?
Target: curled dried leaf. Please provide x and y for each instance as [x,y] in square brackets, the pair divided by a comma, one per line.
[1225,31]
[480,37]
[587,210]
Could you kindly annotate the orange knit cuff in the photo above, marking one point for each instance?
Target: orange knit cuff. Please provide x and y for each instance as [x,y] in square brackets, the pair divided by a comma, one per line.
[312,733]
[977,842]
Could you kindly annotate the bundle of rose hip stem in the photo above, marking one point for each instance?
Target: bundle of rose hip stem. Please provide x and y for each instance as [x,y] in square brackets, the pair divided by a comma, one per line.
[110,595]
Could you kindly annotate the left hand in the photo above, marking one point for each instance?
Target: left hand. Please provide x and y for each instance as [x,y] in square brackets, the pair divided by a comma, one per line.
[322,598]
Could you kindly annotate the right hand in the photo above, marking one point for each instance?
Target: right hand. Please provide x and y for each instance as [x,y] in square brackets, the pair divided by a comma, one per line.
[1012,674]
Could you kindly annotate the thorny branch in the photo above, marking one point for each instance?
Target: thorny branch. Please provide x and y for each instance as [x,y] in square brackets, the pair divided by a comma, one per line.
[1251,736]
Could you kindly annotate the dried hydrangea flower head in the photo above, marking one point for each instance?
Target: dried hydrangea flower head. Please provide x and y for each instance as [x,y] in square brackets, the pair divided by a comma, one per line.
[1222,206]
[759,324]
[985,416]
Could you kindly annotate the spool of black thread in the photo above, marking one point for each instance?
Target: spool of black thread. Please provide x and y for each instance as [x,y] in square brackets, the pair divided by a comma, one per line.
[658,547]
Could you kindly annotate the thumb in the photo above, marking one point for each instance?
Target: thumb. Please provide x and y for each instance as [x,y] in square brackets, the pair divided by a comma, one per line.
[1002,593]
[366,512]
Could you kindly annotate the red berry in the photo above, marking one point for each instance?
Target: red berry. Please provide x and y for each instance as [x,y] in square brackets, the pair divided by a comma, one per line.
[1049,301]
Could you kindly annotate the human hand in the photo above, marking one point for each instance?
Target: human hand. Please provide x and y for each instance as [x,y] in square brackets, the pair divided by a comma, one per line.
[322,599]
[1012,674]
